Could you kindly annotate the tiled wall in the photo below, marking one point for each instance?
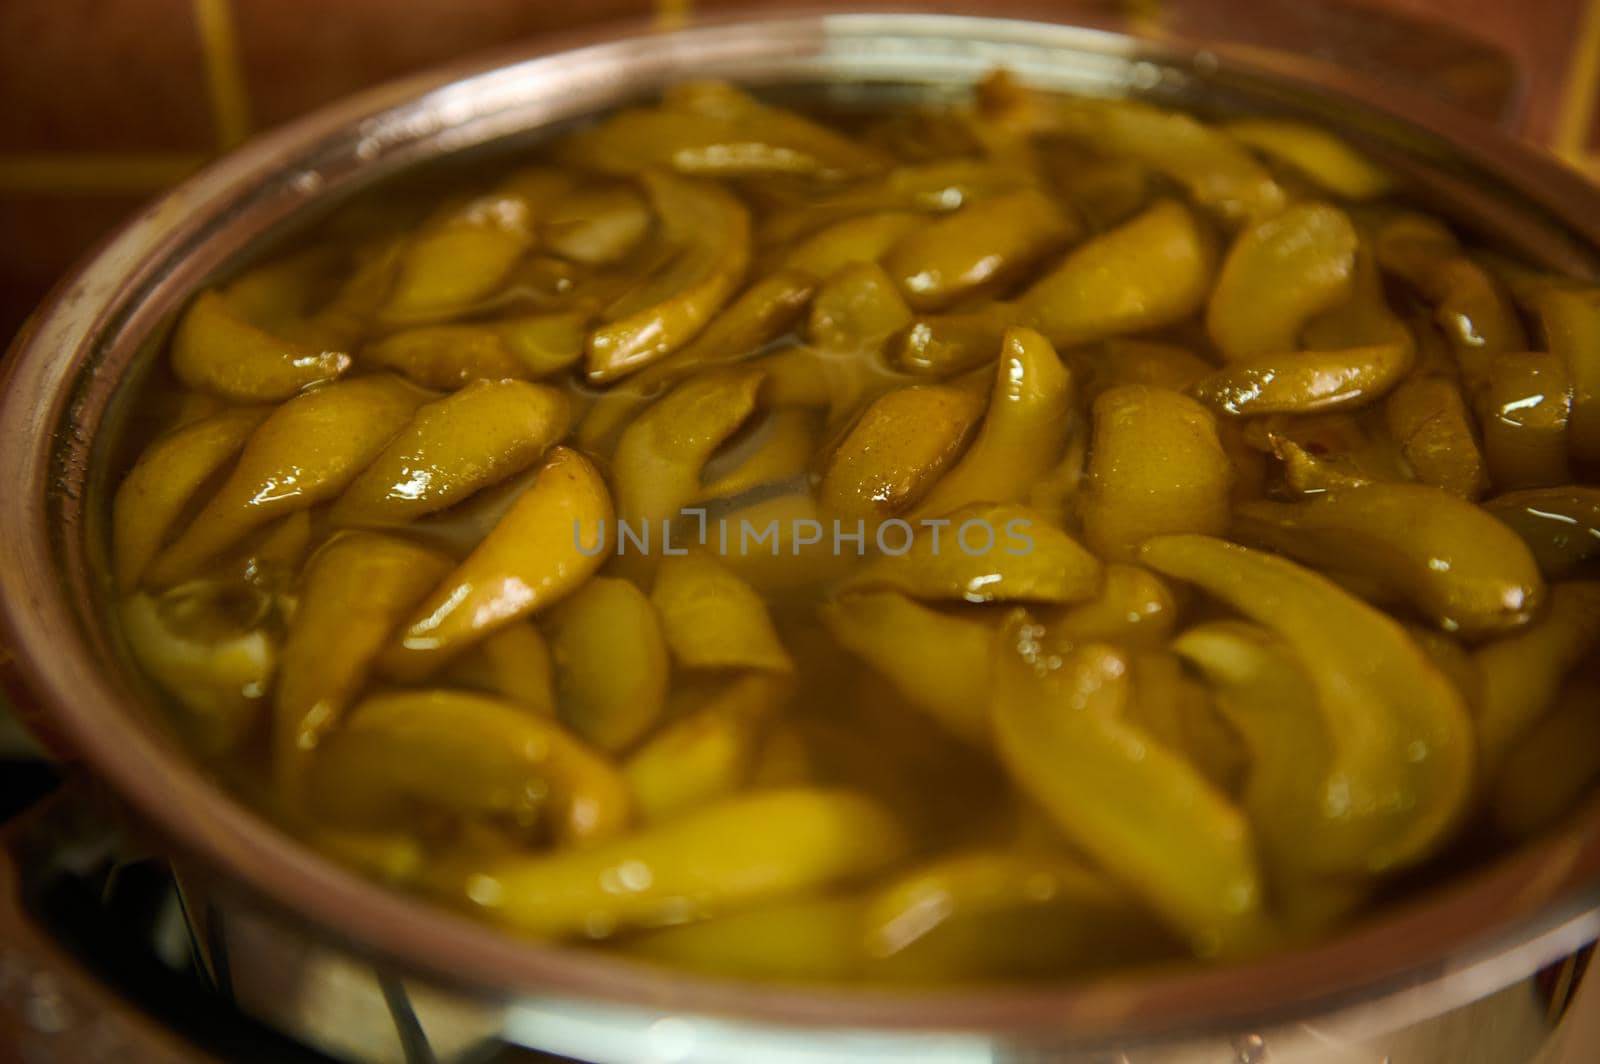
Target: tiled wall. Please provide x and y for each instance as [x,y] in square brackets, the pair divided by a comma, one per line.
[104,103]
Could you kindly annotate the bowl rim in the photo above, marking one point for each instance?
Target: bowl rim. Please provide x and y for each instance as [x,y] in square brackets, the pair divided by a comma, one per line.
[1421,959]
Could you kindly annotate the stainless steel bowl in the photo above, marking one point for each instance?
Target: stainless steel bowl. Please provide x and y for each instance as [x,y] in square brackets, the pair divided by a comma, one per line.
[336,958]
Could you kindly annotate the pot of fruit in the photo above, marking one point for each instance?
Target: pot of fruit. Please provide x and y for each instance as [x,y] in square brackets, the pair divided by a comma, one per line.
[882,537]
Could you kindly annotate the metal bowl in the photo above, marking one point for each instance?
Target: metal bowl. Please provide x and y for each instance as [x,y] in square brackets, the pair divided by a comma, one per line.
[313,928]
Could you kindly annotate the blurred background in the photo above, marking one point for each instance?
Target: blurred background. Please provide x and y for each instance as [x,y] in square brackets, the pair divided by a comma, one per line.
[105,102]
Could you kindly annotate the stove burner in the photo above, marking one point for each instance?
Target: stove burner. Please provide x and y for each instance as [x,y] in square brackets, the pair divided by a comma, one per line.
[123,919]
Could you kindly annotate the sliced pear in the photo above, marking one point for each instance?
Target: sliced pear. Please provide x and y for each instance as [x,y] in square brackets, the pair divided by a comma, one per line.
[1404,738]
[711,231]
[1453,561]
